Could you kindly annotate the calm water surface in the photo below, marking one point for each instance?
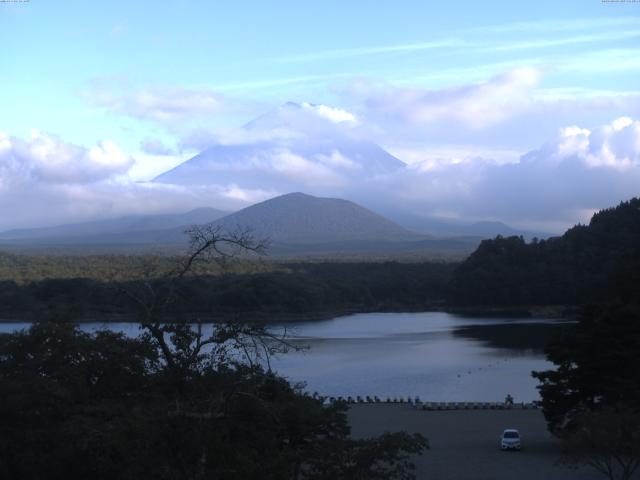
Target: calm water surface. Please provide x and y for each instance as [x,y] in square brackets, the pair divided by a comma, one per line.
[435,355]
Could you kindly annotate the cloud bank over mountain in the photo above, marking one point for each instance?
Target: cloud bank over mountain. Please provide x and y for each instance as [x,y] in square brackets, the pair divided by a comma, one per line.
[563,181]
[293,147]
[45,181]
[330,151]
[473,106]
[514,110]
[47,158]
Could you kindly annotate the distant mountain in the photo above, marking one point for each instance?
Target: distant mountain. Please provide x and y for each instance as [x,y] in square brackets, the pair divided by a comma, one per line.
[493,229]
[303,148]
[303,225]
[299,218]
[486,229]
[296,225]
[445,227]
[107,230]
[311,147]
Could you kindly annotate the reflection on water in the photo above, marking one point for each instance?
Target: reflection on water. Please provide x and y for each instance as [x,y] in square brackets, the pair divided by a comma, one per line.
[435,355]
[515,336]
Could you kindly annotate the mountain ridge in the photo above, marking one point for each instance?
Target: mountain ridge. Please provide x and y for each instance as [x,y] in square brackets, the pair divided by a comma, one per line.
[300,218]
[118,225]
[295,224]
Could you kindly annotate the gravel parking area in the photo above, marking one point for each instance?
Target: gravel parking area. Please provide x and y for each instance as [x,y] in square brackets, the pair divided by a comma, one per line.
[465,443]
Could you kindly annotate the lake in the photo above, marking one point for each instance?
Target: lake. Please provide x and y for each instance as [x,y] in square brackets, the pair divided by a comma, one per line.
[434,355]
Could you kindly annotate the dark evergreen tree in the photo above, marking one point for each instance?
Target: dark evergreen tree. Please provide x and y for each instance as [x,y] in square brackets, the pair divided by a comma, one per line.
[596,366]
[576,268]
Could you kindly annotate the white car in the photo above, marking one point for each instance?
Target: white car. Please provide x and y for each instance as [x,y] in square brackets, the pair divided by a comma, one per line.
[510,439]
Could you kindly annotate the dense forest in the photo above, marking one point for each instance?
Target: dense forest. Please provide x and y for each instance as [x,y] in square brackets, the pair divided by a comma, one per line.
[588,263]
[283,292]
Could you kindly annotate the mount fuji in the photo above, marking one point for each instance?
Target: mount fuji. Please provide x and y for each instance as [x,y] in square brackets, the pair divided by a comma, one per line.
[293,147]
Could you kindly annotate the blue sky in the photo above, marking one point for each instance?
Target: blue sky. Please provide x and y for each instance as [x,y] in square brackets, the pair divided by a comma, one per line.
[150,74]
[271,52]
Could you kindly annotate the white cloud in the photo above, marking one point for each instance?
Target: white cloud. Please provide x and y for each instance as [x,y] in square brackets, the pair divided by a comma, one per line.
[169,103]
[510,111]
[360,51]
[620,123]
[161,103]
[307,172]
[281,125]
[247,196]
[333,114]
[579,171]
[147,167]
[46,181]
[293,146]
[415,153]
[46,158]
[475,106]
[491,39]
[303,119]
[339,160]
[44,204]
[616,145]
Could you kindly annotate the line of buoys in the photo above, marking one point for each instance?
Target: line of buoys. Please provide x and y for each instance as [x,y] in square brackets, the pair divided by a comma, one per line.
[477,406]
[416,403]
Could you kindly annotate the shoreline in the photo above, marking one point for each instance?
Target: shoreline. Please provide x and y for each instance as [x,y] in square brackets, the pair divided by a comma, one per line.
[533,311]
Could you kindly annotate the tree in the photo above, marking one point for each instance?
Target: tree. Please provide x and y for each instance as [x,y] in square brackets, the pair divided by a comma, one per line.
[569,270]
[177,402]
[607,440]
[153,297]
[592,398]
[596,365]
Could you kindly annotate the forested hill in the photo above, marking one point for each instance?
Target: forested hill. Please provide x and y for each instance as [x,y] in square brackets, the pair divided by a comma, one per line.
[300,218]
[588,263]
